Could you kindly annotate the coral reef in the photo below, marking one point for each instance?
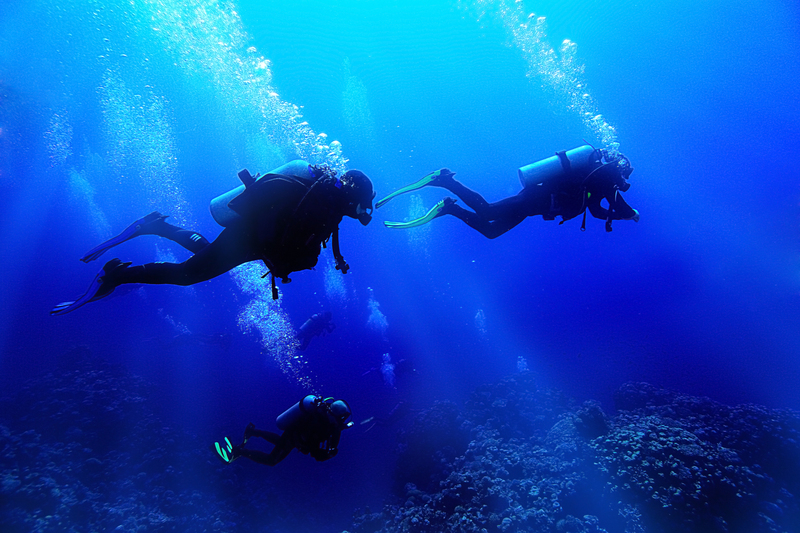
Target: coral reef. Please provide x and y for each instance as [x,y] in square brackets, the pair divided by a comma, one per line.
[82,449]
[537,462]
[427,448]
[700,465]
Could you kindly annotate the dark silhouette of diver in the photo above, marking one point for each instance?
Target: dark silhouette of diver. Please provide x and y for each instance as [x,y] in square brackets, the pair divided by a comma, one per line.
[564,185]
[282,218]
[389,370]
[313,425]
[317,325]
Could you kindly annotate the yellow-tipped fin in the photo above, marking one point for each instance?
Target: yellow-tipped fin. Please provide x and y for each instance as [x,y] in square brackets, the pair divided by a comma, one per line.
[430,215]
[408,188]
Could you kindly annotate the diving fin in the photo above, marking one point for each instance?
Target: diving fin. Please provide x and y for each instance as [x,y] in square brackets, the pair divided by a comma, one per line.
[413,187]
[96,289]
[134,230]
[434,212]
[225,452]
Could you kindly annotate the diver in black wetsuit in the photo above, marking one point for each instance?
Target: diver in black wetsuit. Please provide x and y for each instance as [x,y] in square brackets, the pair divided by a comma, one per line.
[313,426]
[317,324]
[564,190]
[283,220]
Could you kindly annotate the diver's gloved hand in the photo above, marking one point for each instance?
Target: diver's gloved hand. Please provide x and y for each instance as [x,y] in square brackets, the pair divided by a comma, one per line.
[322,454]
[342,265]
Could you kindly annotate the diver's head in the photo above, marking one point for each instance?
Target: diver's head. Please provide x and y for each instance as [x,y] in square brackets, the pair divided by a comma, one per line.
[617,168]
[359,194]
[624,168]
[341,412]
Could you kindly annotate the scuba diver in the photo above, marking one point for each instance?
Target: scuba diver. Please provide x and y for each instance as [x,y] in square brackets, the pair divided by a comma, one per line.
[282,218]
[389,370]
[317,325]
[313,426]
[565,185]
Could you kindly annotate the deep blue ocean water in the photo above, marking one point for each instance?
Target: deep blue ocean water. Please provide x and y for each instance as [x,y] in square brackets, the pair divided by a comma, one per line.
[111,109]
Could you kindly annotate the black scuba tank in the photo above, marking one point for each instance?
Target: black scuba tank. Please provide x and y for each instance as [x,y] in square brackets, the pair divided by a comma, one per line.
[295,413]
[582,160]
[224,215]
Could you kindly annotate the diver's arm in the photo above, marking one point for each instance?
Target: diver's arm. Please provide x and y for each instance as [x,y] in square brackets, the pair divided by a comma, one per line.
[618,207]
[597,210]
[330,450]
[324,455]
[620,210]
[333,442]
[341,264]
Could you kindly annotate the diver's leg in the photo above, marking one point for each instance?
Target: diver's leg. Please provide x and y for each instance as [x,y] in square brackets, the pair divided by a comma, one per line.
[268,436]
[281,450]
[191,240]
[230,249]
[305,340]
[489,228]
[472,199]
[508,210]
[269,459]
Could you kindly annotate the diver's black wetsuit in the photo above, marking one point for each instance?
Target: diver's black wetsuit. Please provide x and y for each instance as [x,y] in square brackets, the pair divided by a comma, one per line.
[566,198]
[315,436]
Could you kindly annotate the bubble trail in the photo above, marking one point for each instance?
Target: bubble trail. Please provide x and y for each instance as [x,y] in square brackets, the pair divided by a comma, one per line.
[559,72]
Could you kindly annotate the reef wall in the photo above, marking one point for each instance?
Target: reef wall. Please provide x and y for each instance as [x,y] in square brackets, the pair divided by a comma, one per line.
[519,459]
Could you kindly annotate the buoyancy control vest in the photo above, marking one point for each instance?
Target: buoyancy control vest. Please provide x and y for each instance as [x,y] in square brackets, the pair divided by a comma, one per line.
[281,206]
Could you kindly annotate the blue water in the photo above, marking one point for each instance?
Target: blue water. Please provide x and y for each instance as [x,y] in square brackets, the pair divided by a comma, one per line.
[112,109]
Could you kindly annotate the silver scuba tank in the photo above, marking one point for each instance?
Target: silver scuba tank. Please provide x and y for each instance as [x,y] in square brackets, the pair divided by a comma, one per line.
[224,215]
[297,411]
[582,160]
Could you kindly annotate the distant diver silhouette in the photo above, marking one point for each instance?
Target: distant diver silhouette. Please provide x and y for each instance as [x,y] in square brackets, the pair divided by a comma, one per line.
[318,324]
[313,425]
[389,370]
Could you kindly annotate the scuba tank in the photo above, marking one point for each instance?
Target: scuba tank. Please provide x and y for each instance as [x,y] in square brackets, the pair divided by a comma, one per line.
[581,160]
[224,215]
[293,414]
